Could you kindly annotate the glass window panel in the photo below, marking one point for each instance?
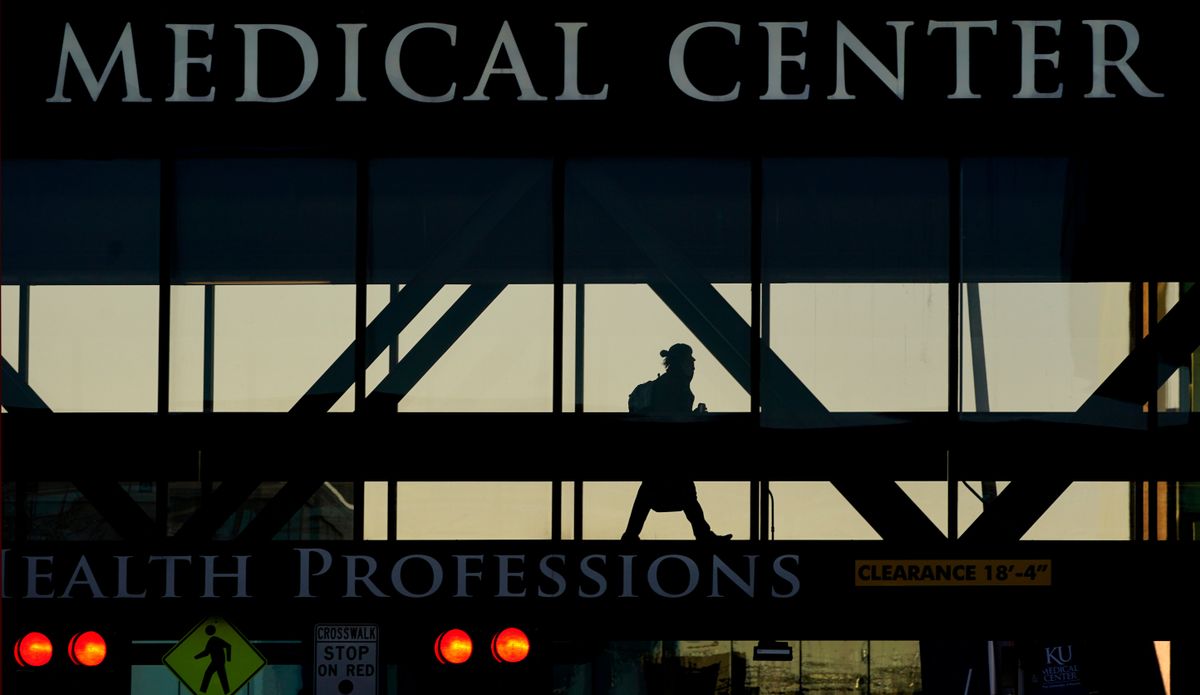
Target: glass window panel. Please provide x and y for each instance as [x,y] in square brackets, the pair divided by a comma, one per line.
[94,348]
[187,349]
[10,321]
[636,220]
[473,511]
[658,253]
[766,677]
[1045,347]
[1173,396]
[466,246]
[815,511]
[1087,511]
[460,221]
[327,515]
[860,347]
[895,666]
[1178,396]
[375,496]
[855,256]
[1013,213]
[568,511]
[271,344]
[81,222]
[834,666]
[855,220]
[501,362]
[58,511]
[1094,219]
[259,220]
[891,667]
[1121,219]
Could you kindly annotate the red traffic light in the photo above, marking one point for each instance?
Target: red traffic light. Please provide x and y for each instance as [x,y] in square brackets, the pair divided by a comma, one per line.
[510,645]
[453,647]
[34,649]
[87,649]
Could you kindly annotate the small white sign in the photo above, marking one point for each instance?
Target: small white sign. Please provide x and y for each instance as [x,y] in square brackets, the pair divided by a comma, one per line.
[346,660]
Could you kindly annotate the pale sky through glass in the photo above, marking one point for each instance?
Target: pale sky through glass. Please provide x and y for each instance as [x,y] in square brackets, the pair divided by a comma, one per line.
[859,347]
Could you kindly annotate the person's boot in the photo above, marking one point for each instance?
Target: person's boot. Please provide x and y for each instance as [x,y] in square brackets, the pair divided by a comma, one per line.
[627,536]
[714,537]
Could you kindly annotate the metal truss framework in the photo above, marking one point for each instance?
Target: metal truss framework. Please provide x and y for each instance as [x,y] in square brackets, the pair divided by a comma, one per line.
[782,395]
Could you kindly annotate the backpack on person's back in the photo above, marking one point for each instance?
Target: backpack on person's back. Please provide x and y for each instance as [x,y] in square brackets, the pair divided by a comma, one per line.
[641,398]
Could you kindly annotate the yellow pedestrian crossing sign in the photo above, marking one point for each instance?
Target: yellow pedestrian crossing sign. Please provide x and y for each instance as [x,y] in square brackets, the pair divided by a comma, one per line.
[214,659]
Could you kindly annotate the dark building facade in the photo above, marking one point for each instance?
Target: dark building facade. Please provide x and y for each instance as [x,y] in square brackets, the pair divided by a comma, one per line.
[320,324]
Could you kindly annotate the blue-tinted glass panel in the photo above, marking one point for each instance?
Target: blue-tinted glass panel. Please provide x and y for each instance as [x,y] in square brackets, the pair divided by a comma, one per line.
[855,220]
[460,221]
[644,220]
[80,222]
[1013,214]
[256,220]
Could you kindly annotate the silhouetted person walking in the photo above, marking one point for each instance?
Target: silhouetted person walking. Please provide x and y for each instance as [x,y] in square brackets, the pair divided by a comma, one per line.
[218,651]
[669,394]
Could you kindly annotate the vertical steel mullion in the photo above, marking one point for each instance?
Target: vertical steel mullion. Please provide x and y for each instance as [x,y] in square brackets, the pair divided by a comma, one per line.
[1152,371]
[1137,322]
[23,292]
[578,511]
[1136,508]
[1152,510]
[362,240]
[210,300]
[755,496]
[393,499]
[394,345]
[954,328]
[558,241]
[766,345]
[580,301]
[765,510]
[757,502]
[166,248]
[556,510]
[756,278]
[166,252]
[360,509]
[1172,510]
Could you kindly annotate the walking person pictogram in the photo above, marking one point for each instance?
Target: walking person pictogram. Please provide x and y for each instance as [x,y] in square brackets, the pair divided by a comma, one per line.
[218,651]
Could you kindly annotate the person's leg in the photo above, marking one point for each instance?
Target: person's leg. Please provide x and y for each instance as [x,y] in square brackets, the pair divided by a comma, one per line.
[695,516]
[637,515]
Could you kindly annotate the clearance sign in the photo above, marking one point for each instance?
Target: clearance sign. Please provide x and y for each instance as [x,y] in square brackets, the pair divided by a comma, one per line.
[952,573]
